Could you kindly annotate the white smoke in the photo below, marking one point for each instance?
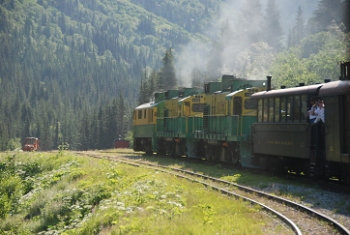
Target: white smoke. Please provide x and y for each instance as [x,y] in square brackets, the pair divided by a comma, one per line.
[230,49]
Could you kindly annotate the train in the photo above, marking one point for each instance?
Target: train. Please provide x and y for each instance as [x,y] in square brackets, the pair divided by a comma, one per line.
[31,144]
[247,123]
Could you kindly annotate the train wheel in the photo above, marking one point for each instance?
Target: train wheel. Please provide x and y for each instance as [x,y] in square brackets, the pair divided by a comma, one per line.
[169,149]
[148,149]
[161,148]
[209,155]
[184,149]
[231,156]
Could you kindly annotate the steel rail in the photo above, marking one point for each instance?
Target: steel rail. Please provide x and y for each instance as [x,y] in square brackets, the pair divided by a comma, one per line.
[340,228]
[282,217]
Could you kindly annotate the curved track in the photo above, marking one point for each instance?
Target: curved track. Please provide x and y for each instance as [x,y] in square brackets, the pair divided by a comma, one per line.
[299,218]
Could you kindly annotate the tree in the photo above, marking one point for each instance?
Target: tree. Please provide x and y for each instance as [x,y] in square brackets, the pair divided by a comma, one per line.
[146,26]
[255,61]
[120,118]
[167,76]
[346,18]
[326,12]
[272,28]
[298,31]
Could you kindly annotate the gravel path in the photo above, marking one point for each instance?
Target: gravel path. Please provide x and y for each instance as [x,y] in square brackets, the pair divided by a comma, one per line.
[334,205]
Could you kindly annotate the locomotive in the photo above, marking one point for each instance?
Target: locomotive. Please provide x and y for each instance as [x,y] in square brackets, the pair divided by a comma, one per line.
[30,144]
[245,122]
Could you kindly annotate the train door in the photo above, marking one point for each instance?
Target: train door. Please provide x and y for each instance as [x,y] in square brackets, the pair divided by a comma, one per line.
[237,105]
[345,130]
[333,128]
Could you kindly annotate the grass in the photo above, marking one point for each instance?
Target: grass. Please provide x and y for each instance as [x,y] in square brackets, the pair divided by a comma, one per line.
[61,193]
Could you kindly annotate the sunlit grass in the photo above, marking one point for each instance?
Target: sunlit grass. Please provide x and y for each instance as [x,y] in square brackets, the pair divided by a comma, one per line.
[68,194]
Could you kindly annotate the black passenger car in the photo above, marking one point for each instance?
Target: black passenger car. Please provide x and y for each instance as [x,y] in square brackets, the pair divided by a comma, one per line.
[283,140]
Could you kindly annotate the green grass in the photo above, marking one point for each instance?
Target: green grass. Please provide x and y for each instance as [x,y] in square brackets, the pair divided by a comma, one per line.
[61,193]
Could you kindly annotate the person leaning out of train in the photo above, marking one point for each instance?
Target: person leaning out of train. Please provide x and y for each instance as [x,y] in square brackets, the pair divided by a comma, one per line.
[310,114]
[319,111]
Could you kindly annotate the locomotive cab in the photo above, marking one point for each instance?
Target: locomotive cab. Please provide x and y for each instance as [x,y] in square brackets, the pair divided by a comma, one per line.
[31,144]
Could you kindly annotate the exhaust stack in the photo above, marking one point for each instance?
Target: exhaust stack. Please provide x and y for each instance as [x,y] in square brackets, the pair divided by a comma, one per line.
[268,86]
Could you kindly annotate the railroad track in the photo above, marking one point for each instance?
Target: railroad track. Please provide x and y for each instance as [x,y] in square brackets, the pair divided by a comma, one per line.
[299,218]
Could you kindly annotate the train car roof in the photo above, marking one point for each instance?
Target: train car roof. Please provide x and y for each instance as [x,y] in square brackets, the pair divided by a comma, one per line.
[312,89]
[184,99]
[233,93]
[335,88]
[146,105]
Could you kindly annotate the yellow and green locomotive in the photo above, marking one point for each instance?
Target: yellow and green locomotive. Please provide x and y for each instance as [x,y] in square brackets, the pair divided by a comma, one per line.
[212,123]
[245,122]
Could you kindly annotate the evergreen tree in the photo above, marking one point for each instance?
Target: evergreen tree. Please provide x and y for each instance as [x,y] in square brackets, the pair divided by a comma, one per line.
[327,11]
[143,92]
[272,28]
[120,122]
[346,16]
[85,130]
[167,77]
[298,31]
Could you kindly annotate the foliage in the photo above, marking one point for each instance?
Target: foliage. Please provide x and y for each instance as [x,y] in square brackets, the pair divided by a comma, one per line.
[77,195]
[314,60]
[63,61]
[167,76]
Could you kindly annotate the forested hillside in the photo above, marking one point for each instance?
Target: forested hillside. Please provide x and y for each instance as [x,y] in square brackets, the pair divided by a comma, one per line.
[71,71]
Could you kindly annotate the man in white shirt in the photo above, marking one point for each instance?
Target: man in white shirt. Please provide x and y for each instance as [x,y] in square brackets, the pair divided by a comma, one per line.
[319,111]
[311,116]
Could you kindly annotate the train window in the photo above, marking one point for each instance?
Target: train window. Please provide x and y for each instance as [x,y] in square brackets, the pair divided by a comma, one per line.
[260,113]
[250,104]
[304,104]
[197,107]
[139,114]
[271,109]
[277,110]
[237,105]
[283,109]
[296,109]
[150,115]
[289,108]
[187,109]
[266,111]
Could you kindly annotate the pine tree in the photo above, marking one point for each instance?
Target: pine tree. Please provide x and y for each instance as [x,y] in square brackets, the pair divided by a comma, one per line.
[144,90]
[327,11]
[346,16]
[167,77]
[272,28]
[120,125]
[298,30]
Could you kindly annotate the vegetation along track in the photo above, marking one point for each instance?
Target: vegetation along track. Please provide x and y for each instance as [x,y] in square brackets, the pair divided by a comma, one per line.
[299,218]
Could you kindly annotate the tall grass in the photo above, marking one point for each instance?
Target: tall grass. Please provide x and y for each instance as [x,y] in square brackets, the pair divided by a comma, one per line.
[70,194]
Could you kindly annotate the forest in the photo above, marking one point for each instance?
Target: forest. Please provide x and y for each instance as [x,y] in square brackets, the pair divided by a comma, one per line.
[71,71]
